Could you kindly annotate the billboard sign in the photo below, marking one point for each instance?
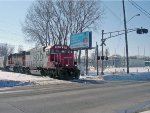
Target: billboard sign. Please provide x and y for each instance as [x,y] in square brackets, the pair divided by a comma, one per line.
[81,40]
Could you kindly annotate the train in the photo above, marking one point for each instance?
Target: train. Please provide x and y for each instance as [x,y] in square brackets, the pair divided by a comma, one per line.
[55,61]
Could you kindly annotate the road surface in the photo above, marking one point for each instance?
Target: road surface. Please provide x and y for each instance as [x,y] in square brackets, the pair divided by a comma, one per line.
[106,97]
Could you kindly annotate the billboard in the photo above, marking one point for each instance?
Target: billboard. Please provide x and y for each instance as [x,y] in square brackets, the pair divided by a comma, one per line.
[81,40]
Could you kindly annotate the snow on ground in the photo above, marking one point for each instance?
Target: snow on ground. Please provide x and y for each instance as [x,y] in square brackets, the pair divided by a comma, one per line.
[113,70]
[136,73]
[11,79]
[117,74]
[144,76]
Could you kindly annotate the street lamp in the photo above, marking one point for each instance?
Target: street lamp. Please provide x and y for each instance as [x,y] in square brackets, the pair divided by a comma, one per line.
[133,17]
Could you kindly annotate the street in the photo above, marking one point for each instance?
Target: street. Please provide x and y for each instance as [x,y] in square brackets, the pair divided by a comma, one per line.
[106,97]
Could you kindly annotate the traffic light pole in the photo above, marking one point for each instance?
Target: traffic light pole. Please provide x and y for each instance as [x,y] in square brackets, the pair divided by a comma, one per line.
[121,32]
[102,66]
[126,39]
[86,54]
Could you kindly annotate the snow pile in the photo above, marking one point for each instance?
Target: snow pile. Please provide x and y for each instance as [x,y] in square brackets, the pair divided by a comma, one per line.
[20,77]
[133,76]
[113,70]
[10,79]
[86,79]
[91,77]
[116,74]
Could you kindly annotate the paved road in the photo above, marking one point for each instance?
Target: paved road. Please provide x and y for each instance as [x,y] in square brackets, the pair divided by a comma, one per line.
[111,97]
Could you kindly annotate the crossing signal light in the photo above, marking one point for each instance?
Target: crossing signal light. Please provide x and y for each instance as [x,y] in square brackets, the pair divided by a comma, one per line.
[106,58]
[142,31]
[98,57]
[102,57]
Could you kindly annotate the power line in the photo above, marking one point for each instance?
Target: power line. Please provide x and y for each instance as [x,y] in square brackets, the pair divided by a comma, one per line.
[140,8]
[118,18]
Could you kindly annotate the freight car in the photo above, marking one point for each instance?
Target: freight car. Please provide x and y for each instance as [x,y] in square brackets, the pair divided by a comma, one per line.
[55,61]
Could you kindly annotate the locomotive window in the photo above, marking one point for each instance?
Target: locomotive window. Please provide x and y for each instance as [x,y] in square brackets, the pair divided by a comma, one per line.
[52,50]
[60,51]
[63,51]
[69,51]
[57,51]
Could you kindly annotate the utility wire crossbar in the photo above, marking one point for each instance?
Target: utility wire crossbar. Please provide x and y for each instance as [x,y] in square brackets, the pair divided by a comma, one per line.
[128,31]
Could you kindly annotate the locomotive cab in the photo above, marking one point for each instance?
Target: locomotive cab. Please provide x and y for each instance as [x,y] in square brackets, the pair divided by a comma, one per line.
[60,56]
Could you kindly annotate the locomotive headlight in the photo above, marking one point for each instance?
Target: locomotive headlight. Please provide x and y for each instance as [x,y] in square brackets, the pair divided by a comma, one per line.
[67,65]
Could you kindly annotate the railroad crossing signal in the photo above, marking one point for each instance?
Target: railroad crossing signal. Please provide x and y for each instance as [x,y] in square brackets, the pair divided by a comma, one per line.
[103,42]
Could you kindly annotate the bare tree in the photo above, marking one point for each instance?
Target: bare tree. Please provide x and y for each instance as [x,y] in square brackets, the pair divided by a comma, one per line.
[52,21]
[6,49]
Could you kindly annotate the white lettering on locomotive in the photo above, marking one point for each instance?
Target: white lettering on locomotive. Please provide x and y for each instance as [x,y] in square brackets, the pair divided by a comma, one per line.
[37,58]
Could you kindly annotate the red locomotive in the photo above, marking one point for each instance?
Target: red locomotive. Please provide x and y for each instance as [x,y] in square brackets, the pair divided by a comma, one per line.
[55,61]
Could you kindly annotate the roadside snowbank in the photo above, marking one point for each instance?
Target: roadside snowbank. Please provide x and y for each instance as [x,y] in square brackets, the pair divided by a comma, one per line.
[20,77]
[118,74]
[11,79]
[113,70]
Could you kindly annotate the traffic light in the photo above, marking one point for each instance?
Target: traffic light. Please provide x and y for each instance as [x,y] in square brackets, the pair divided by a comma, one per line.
[141,31]
[98,57]
[145,30]
[106,58]
[102,57]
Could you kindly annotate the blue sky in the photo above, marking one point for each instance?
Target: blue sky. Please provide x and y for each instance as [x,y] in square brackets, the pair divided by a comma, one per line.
[13,12]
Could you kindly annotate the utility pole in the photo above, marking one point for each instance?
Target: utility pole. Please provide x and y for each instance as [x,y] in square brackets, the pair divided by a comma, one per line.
[102,67]
[97,58]
[86,55]
[126,39]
